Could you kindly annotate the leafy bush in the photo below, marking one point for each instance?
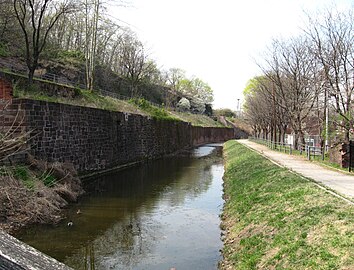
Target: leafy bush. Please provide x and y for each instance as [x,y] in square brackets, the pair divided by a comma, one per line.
[197,105]
[184,105]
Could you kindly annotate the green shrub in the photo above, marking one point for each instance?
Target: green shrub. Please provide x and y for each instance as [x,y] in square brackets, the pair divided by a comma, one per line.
[141,103]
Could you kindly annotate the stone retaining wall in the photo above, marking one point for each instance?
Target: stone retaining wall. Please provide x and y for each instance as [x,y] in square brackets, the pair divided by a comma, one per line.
[94,139]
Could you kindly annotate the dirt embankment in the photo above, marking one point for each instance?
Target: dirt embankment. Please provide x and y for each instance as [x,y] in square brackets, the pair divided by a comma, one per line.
[36,193]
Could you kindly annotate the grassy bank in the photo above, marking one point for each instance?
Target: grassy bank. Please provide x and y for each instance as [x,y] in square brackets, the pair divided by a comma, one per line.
[274,219]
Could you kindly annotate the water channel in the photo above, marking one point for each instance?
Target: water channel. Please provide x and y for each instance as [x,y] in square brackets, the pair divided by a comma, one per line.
[158,215]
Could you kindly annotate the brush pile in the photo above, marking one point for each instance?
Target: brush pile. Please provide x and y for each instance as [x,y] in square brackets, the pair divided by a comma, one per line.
[36,193]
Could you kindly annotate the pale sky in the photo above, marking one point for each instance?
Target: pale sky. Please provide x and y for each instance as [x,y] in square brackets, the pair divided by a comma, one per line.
[217,41]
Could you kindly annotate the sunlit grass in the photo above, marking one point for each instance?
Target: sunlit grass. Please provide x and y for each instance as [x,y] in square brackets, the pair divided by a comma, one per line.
[278,220]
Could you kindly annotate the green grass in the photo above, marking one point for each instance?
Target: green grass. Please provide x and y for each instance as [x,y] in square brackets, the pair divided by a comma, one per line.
[27,176]
[23,174]
[48,180]
[277,220]
[155,112]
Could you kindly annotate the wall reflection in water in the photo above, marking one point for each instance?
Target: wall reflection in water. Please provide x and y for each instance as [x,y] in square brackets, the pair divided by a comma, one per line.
[159,215]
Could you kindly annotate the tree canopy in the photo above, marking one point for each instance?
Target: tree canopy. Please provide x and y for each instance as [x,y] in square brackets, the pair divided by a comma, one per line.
[83,31]
[303,78]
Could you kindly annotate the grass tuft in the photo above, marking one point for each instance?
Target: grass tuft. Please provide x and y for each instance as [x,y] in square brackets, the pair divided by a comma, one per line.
[23,174]
[48,180]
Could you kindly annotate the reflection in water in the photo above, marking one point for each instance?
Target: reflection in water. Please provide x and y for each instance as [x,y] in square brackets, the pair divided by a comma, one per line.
[159,215]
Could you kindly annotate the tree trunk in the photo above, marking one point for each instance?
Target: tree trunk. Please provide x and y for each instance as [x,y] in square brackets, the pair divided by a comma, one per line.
[296,139]
[301,137]
[347,136]
[30,77]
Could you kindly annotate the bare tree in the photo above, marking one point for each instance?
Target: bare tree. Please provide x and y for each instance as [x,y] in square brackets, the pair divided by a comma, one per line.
[36,19]
[99,32]
[7,21]
[132,61]
[174,77]
[92,13]
[260,108]
[294,71]
[333,36]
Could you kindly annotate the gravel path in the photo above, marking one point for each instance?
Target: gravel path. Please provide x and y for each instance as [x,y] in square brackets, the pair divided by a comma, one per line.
[335,180]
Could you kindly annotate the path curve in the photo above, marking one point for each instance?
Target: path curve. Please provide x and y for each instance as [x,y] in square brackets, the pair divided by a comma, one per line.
[337,181]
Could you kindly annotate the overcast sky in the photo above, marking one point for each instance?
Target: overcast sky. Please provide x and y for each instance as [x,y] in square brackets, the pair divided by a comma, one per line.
[217,41]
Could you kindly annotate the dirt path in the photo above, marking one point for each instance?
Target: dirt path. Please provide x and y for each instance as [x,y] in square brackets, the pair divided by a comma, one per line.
[337,181]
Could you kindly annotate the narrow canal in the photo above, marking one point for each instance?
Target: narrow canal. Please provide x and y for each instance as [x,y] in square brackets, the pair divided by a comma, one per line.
[159,215]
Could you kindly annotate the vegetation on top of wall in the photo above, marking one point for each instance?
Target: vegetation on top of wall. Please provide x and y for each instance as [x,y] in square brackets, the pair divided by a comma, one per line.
[154,111]
[136,106]
[84,98]
[197,119]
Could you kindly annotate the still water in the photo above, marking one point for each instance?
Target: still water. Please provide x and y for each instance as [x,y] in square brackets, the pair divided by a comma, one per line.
[158,215]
